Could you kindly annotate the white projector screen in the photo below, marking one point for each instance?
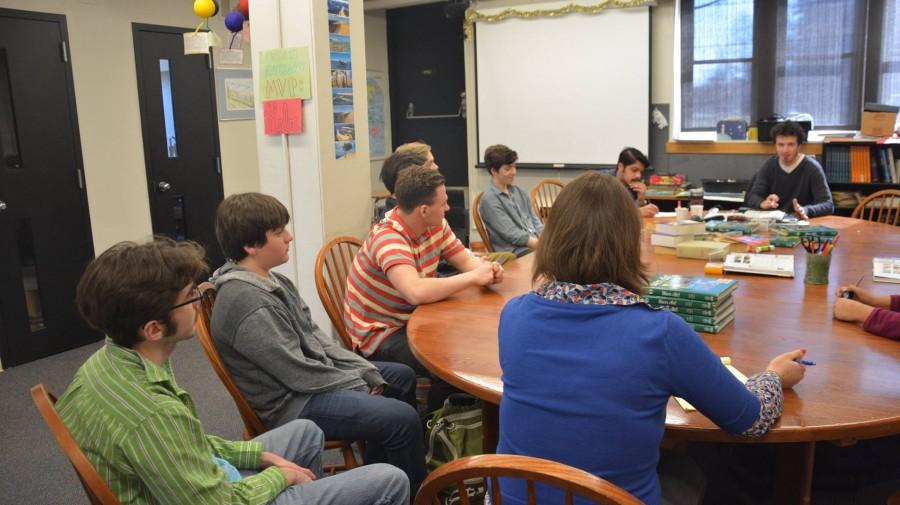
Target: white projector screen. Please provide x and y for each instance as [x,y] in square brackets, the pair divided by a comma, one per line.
[568,90]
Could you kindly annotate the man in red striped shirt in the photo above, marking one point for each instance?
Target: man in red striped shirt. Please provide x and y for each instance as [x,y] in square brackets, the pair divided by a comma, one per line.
[396,270]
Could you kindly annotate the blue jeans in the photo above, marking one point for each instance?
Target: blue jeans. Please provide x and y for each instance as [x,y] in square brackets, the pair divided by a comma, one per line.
[301,442]
[388,423]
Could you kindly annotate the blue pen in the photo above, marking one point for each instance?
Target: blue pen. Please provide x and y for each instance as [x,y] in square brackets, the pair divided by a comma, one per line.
[805,362]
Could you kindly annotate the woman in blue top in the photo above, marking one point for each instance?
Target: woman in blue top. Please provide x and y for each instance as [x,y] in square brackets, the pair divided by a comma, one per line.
[588,367]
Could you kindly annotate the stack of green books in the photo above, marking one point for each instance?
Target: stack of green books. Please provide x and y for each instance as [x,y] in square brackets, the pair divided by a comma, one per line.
[705,303]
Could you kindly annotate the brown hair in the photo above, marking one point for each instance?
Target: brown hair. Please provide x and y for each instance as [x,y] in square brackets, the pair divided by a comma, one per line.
[788,129]
[417,186]
[593,235]
[131,284]
[396,163]
[417,147]
[243,220]
[498,155]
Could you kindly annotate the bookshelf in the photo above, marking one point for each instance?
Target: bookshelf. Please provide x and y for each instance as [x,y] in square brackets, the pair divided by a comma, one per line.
[857,168]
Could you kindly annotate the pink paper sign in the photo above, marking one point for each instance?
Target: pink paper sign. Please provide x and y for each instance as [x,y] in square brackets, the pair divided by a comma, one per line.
[283,116]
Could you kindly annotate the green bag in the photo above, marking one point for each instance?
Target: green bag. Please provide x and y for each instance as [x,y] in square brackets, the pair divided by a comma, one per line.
[454,431]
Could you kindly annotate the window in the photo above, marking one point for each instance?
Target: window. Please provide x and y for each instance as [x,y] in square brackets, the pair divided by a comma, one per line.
[753,58]
[889,85]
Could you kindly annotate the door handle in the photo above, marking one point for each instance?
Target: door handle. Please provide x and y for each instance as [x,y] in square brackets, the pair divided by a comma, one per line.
[2,205]
[163,186]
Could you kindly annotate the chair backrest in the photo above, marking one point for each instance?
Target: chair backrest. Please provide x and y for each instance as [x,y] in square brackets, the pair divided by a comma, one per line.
[95,487]
[543,195]
[882,206]
[333,264]
[253,426]
[571,480]
[479,224]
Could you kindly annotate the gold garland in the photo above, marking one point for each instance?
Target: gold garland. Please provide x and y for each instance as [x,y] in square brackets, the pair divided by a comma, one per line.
[472,15]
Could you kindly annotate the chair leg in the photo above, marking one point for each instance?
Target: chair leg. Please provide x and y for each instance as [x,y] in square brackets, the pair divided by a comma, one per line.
[349,458]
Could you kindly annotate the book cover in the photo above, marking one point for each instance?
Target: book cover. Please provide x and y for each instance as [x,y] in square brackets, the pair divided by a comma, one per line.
[686,304]
[663,240]
[713,328]
[779,265]
[702,249]
[726,312]
[690,287]
[681,228]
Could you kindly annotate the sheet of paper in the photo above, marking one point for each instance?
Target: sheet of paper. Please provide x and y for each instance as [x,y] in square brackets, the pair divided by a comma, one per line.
[283,116]
[196,43]
[777,215]
[284,73]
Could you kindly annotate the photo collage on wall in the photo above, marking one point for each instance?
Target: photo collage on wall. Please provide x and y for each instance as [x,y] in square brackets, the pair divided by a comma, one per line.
[341,78]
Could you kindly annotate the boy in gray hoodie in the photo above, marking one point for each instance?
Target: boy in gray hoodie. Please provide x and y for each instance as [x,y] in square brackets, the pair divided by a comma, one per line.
[284,364]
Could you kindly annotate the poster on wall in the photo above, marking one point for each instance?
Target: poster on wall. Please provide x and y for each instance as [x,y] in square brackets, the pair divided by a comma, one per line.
[283,85]
[234,93]
[341,78]
[376,95]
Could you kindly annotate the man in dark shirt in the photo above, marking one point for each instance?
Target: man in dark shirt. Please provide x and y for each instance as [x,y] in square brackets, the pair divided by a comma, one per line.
[791,181]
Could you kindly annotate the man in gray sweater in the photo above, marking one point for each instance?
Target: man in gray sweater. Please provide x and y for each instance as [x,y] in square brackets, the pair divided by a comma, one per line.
[284,364]
[791,181]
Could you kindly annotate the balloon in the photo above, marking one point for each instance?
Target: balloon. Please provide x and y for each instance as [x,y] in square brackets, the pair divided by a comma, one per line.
[244,8]
[205,8]
[234,21]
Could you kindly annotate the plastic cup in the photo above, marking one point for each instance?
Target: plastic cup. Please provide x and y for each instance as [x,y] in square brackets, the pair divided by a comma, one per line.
[682,214]
[697,210]
[817,267]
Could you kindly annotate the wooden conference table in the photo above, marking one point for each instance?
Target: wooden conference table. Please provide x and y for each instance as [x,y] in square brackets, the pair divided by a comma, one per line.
[852,393]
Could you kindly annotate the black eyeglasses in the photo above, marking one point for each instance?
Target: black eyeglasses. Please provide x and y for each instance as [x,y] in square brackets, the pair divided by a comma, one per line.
[194,299]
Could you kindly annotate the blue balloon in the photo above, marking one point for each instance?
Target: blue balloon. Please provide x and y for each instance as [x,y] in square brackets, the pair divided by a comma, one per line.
[234,21]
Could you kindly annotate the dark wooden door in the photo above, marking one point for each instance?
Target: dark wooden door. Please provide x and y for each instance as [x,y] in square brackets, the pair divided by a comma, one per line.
[181,139]
[427,69]
[45,234]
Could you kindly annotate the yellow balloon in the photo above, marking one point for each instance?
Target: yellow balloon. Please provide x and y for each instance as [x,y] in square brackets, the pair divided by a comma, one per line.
[204,8]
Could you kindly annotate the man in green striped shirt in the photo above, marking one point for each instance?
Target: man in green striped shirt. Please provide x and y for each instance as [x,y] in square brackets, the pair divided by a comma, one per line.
[140,429]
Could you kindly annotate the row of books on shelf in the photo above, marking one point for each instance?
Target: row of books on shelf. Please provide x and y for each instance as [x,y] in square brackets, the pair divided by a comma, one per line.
[861,163]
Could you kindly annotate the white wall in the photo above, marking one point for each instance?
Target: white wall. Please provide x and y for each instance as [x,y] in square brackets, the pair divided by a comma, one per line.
[661,28]
[102,50]
[326,197]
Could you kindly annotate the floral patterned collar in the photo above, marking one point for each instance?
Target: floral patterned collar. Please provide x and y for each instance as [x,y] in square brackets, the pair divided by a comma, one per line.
[588,294]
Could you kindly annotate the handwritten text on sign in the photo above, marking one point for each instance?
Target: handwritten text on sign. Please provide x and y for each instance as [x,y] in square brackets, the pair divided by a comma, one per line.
[283,116]
[284,73]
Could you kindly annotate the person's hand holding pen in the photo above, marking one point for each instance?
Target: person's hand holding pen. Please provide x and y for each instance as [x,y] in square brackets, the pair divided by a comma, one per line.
[788,369]
[854,304]
[498,272]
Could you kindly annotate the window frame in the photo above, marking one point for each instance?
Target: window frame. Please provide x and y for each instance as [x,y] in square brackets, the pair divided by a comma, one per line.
[764,66]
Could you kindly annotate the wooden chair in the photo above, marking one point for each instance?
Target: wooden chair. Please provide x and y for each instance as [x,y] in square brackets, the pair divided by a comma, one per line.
[882,207]
[332,266]
[479,224]
[543,195]
[492,466]
[253,425]
[95,487]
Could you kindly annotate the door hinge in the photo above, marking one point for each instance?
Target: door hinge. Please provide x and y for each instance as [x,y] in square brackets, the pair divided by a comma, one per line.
[80,179]
[64,49]
[219,165]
